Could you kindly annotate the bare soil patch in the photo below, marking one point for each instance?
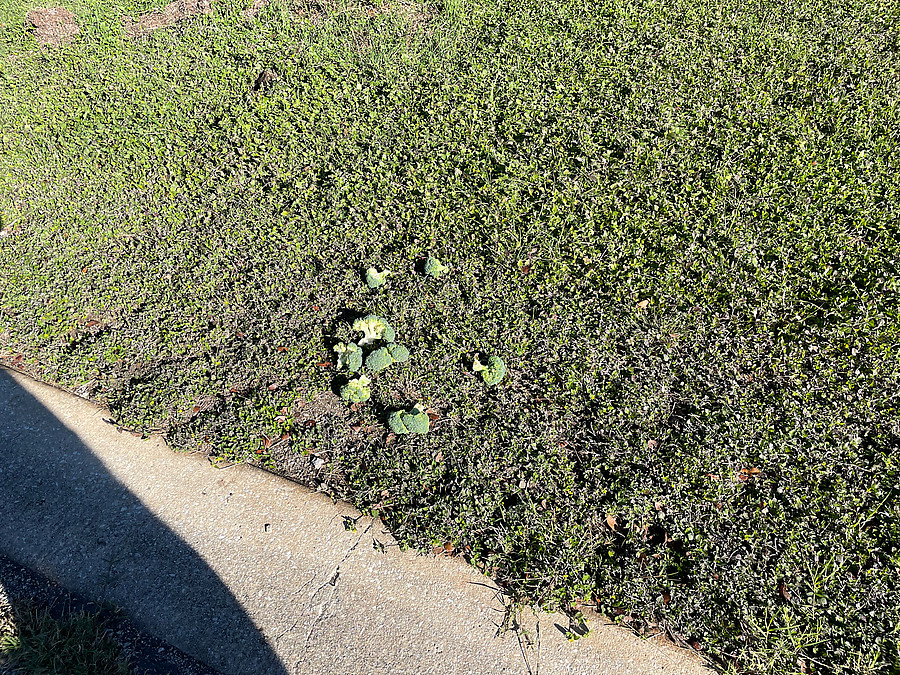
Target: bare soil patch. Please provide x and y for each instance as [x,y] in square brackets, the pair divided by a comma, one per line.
[417,14]
[167,16]
[53,25]
[254,9]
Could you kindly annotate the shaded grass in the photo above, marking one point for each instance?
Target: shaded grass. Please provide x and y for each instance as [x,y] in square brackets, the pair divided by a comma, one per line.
[676,223]
[76,645]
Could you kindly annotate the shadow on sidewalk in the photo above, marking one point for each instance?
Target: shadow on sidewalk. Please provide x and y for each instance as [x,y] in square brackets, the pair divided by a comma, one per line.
[65,516]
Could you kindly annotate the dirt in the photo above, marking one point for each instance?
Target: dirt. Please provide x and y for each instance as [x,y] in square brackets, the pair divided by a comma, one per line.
[325,416]
[53,25]
[254,9]
[418,15]
[167,16]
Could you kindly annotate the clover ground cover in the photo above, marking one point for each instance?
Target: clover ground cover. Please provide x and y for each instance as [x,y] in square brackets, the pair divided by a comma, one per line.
[676,223]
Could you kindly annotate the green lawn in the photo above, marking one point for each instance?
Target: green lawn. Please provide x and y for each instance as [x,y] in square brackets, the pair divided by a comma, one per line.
[677,222]
[34,642]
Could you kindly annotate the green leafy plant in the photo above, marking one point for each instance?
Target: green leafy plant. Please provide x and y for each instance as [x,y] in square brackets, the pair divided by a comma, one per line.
[678,222]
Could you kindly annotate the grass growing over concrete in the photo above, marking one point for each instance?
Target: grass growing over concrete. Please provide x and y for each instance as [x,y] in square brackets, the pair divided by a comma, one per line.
[677,224]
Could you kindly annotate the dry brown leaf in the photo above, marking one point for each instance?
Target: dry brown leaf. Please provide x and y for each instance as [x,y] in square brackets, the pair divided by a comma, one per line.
[785,593]
[748,472]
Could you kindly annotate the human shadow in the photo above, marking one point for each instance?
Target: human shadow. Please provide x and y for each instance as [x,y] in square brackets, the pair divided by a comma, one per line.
[65,516]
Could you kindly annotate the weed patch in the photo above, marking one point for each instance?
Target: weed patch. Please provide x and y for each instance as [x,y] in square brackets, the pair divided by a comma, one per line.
[676,226]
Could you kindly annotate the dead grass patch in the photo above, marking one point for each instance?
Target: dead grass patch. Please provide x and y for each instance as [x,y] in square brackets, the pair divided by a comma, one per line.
[53,25]
[254,9]
[165,17]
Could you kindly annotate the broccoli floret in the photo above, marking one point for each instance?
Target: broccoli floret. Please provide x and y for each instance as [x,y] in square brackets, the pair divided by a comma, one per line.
[374,278]
[379,360]
[349,355]
[374,328]
[493,372]
[417,423]
[413,421]
[382,357]
[399,353]
[434,268]
[357,391]
[395,422]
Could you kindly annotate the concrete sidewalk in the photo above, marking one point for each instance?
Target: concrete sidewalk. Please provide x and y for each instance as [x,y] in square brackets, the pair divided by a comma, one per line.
[250,573]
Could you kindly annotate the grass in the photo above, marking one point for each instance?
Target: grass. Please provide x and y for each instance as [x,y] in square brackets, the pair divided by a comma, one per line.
[676,222]
[79,644]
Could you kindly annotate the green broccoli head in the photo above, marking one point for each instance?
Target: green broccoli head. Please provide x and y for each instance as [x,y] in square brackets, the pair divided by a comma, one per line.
[379,359]
[399,353]
[434,268]
[493,372]
[357,391]
[382,357]
[374,328]
[374,278]
[395,422]
[413,421]
[349,355]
